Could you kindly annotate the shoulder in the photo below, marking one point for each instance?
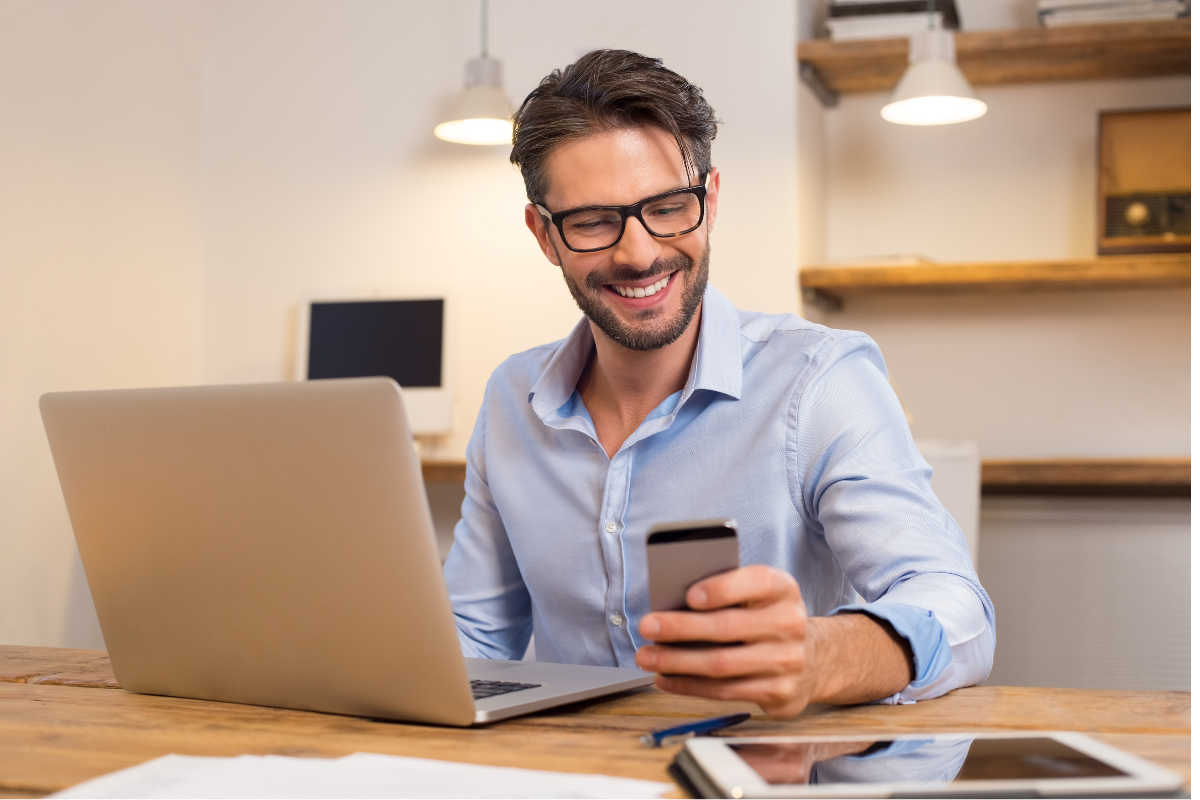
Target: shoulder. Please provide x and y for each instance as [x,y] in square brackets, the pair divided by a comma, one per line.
[786,341]
[532,362]
[520,372]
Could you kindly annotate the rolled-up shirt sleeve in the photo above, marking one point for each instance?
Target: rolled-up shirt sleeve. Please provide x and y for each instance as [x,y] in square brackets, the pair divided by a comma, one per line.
[490,600]
[864,487]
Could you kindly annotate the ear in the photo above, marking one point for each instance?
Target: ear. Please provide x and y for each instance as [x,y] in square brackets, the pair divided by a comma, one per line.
[540,227]
[714,189]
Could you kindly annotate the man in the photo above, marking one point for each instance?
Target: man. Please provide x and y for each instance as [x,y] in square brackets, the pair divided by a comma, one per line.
[665,403]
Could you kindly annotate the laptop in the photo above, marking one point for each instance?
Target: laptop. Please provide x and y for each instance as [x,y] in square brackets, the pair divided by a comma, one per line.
[272,544]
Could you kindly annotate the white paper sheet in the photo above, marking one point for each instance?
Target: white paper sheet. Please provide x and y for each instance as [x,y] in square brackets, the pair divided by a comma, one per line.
[357,775]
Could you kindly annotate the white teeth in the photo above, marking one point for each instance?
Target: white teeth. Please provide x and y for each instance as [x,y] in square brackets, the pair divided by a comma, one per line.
[640,291]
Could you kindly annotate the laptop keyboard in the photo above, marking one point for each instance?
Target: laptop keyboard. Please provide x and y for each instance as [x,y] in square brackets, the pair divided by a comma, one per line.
[484,689]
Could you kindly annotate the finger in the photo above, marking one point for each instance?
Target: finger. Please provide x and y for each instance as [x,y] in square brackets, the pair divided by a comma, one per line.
[778,696]
[739,661]
[787,621]
[755,585]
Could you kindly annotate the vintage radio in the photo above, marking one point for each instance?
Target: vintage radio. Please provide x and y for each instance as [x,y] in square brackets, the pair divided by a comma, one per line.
[1145,186]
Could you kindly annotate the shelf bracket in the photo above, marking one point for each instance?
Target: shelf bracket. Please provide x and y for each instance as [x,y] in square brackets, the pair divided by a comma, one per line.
[819,298]
[815,81]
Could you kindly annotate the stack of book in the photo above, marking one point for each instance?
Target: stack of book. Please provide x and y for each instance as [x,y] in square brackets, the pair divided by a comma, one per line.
[1054,13]
[886,19]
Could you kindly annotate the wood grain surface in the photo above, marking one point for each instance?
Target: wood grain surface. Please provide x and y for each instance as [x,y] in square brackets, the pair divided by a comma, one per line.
[1127,476]
[1107,272]
[444,471]
[57,666]
[987,58]
[58,726]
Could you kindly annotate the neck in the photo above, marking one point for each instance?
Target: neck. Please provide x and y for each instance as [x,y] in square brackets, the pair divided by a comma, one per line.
[623,386]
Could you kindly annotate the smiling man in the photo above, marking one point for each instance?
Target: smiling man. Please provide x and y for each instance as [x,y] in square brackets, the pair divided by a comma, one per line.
[666,403]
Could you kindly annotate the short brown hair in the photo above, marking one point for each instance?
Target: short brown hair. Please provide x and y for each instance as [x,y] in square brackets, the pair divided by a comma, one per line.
[608,90]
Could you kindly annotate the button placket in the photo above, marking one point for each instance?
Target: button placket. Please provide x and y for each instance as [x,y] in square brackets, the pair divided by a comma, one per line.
[612,512]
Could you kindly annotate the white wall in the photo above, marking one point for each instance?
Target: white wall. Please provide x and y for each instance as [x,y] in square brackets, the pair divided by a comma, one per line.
[322,173]
[99,250]
[1090,592]
[1025,375]
[173,176]
[1018,183]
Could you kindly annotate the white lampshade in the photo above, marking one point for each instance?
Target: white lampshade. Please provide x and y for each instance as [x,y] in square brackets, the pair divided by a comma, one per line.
[481,114]
[933,90]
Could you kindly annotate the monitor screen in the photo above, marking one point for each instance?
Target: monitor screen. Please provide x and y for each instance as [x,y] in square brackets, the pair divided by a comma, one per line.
[400,339]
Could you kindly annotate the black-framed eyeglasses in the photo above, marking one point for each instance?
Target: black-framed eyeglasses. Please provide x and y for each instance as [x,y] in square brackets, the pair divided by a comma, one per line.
[673,213]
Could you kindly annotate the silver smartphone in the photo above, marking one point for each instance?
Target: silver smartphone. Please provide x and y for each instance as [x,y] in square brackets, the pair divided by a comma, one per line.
[680,553]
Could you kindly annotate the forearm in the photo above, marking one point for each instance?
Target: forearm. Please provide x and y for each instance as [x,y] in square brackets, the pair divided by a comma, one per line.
[858,659]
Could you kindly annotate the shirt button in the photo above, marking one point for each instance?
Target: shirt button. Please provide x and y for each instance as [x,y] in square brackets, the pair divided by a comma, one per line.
[610,527]
[616,619]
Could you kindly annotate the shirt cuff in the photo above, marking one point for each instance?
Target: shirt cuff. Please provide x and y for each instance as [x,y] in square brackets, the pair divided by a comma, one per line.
[924,633]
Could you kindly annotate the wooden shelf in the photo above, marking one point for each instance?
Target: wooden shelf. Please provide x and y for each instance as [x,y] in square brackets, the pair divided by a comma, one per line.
[1092,476]
[988,58]
[825,286]
[444,471]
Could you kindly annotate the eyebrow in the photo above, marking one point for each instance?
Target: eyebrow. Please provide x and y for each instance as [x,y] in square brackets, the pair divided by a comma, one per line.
[621,205]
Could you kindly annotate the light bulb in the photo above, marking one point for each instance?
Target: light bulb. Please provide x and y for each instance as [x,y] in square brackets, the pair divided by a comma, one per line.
[934,110]
[476,131]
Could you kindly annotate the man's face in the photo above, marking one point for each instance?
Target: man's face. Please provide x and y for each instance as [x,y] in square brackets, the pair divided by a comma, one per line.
[620,168]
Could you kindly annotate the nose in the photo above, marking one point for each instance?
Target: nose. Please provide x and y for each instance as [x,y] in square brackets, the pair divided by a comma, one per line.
[637,248]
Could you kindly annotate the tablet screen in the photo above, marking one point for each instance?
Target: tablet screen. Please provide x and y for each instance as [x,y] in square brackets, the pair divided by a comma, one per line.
[903,760]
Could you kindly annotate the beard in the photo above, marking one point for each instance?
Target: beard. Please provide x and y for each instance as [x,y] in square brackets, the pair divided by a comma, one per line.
[656,331]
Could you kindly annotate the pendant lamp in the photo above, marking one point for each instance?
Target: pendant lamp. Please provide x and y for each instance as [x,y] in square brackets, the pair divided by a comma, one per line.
[481,114]
[933,90]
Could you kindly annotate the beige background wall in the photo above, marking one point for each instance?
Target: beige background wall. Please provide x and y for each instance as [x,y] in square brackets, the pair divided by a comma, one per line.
[322,174]
[173,176]
[1055,374]
[100,249]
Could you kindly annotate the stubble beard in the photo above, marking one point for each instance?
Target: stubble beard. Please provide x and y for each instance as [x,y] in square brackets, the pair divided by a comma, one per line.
[654,334]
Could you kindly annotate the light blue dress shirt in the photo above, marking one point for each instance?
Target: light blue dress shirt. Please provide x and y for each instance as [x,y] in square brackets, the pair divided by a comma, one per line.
[788,427]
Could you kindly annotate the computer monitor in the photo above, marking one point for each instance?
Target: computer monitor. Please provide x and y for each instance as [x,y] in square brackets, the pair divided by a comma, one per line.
[403,338]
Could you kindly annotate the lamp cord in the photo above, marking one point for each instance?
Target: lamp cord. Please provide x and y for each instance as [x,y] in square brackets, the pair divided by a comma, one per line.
[483,31]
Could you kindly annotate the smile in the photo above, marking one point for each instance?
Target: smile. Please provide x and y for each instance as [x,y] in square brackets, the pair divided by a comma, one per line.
[642,291]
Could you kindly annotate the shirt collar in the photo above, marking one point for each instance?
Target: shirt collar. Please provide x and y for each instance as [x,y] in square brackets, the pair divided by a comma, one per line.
[717,365]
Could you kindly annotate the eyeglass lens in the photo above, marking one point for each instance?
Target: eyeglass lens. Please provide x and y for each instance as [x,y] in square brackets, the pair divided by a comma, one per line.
[597,228]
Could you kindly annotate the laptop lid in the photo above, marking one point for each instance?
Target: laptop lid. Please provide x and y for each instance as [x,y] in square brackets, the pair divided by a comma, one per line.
[267,544]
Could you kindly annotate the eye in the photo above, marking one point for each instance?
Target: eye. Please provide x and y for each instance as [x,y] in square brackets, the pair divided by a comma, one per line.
[592,222]
[666,210]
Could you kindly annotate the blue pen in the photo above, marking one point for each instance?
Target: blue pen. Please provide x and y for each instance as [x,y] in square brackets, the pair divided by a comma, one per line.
[698,728]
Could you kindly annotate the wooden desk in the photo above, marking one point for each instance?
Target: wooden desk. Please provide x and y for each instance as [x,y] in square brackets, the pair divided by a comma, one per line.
[63,720]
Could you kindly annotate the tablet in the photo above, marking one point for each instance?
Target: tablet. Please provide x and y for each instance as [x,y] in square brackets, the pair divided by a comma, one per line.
[1042,764]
